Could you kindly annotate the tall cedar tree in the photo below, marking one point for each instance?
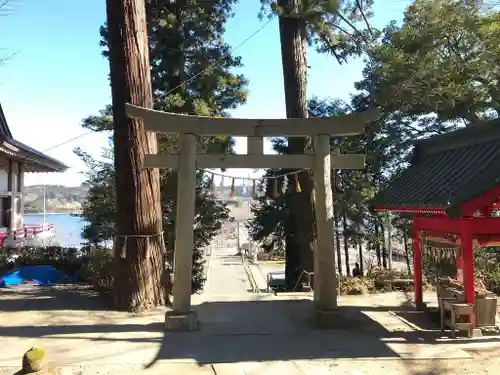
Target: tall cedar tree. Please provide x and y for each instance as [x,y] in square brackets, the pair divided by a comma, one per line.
[185,38]
[330,25]
[138,260]
[299,238]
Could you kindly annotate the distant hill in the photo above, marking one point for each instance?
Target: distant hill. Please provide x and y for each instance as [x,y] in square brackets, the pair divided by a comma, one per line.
[224,192]
[58,198]
[69,199]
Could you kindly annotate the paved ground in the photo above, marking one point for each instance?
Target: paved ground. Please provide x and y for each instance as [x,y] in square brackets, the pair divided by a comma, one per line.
[241,333]
[226,273]
[253,334]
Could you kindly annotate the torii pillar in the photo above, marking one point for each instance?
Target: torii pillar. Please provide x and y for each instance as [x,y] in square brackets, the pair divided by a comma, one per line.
[182,318]
[325,276]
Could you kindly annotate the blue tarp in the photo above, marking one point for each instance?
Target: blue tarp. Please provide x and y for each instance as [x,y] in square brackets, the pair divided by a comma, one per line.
[39,275]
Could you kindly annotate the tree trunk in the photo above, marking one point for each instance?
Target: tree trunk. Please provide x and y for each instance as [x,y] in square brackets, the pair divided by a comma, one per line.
[139,245]
[293,53]
[337,238]
[407,251]
[377,244]
[384,247]
[346,241]
[361,259]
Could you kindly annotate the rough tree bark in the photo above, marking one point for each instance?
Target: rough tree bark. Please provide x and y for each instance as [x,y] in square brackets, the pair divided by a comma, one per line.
[139,245]
[293,53]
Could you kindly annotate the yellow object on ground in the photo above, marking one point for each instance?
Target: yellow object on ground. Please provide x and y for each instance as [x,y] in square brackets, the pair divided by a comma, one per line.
[34,360]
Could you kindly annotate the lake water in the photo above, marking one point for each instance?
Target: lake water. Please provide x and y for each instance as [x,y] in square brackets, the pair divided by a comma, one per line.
[68,228]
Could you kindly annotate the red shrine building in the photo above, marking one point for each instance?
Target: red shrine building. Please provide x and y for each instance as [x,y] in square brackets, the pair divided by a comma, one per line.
[452,189]
[17,159]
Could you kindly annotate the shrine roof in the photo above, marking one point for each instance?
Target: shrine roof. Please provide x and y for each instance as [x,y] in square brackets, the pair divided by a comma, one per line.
[446,171]
[34,160]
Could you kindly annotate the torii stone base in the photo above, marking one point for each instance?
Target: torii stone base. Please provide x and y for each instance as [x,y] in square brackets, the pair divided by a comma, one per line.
[181,322]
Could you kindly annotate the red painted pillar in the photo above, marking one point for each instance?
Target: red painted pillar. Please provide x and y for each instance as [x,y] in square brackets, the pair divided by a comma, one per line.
[417,266]
[468,267]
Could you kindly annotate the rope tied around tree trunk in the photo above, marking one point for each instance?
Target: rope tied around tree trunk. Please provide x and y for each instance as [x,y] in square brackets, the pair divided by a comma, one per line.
[123,253]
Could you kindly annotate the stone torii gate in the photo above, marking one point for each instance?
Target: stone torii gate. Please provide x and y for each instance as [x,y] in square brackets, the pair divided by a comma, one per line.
[187,161]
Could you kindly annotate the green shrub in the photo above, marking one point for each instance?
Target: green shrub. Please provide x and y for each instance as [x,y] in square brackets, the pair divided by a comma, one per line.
[356,285]
[487,267]
[4,261]
[97,269]
[65,259]
[94,268]
[382,273]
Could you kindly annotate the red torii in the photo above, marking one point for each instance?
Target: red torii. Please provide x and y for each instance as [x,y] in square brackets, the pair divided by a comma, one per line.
[453,189]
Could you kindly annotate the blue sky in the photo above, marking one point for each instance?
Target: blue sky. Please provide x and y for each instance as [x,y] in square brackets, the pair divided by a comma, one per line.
[56,75]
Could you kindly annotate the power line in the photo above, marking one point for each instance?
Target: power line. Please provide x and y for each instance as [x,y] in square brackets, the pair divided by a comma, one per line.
[55,146]
[67,141]
[180,85]
[217,61]
[176,87]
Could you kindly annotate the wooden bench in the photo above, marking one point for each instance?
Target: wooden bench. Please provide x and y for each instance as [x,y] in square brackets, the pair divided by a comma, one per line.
[276,281]
[456,309]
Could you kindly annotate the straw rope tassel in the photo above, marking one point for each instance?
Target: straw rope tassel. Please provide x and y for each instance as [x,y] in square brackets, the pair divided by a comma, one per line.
[233,189]
[297,183]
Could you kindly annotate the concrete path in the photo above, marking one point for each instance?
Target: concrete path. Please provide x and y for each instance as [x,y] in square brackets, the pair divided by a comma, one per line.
[226,273]
[252,334]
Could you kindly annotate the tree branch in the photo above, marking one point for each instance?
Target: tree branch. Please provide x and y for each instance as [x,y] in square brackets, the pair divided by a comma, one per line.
[4,7]
[4,11]
[351,25]
[359,3]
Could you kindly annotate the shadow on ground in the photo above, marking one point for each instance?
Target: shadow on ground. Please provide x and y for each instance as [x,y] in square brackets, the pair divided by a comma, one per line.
[47,298]
[423,320]
[435,367]
[262,328]
[247,331]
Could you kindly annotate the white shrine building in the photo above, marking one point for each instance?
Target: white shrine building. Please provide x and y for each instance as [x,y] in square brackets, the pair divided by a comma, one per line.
[16,159]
